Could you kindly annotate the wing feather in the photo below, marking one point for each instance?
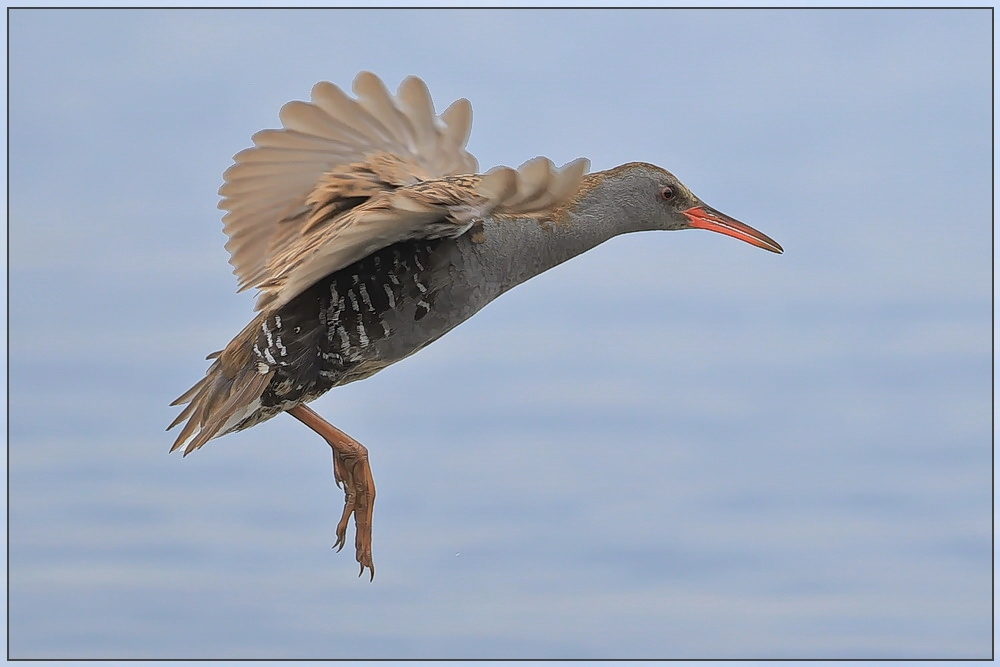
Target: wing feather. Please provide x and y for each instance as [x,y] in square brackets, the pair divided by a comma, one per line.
[538,186]
[418,105]
[335,102]
[375,98]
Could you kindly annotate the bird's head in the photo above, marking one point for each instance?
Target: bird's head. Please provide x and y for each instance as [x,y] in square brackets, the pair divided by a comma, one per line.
[652,198]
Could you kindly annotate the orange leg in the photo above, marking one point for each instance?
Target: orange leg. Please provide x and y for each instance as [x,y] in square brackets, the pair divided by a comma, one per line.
[354,475]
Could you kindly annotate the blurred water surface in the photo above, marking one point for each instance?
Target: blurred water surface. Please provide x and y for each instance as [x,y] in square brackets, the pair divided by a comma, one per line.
[676,446]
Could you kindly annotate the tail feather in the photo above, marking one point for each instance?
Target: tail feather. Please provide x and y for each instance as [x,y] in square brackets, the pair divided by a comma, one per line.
[191,393]
[218,420]
[228,394]
[185,413]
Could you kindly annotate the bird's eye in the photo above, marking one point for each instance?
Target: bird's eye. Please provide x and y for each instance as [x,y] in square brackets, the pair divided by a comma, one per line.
[667,193]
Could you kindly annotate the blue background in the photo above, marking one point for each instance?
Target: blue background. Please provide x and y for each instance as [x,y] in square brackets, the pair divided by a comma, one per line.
[675,446]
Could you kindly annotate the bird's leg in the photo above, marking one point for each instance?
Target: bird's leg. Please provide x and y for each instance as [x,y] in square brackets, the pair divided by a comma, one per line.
[350,469]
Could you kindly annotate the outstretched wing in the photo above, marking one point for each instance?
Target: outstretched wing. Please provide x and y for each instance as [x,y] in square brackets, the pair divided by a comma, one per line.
[347,177]
[266,191]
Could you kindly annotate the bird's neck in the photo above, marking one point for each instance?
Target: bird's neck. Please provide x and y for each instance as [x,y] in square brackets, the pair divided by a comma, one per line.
[523,247]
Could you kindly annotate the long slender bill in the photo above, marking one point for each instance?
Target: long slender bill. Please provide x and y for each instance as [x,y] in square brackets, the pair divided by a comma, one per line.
[706,217]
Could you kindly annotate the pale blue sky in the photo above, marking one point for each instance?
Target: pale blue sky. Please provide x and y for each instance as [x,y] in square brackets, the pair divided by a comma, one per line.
[674,446]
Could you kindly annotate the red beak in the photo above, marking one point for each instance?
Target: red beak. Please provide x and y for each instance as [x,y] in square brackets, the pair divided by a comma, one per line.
[706,217]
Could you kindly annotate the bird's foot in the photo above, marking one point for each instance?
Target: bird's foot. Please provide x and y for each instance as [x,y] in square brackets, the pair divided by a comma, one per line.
[352,473]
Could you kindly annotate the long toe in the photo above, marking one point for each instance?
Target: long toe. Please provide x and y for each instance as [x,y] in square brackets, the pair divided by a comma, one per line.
[364,507]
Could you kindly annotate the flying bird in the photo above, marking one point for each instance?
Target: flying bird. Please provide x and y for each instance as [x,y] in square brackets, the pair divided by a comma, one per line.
[369,232]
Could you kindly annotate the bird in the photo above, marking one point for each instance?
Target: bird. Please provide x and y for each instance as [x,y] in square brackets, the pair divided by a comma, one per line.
[369,232]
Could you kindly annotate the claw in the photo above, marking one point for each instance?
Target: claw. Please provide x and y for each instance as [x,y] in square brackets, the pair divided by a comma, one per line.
[342,525]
